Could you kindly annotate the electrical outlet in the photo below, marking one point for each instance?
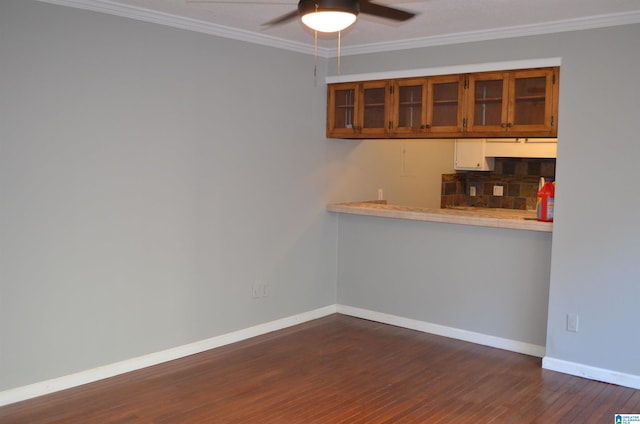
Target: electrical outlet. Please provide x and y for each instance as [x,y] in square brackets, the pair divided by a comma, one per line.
[258,290]
[472,191]
[573,322]
[498,190]
[380,194]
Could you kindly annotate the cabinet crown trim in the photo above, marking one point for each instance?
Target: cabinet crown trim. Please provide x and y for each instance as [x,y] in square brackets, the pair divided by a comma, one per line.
[447,70]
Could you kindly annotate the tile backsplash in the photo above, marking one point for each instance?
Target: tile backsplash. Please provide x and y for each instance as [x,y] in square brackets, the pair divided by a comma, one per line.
[519,178]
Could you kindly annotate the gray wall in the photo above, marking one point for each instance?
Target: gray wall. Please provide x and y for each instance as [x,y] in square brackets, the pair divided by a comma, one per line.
[595,271]
[148,176]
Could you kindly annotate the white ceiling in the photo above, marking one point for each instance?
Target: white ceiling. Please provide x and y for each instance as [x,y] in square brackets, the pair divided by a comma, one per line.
[438,22]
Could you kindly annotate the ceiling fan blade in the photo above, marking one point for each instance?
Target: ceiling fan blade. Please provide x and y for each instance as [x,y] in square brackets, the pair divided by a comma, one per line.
[366,7]
[384,11]
[282,19]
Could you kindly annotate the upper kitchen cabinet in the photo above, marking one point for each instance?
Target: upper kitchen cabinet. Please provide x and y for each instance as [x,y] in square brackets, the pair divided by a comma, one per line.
[342,105]
[520,103]
[445,105]
[375,109]
[470,155]
[358,110]
[426,107]
[409,108]
[488,103]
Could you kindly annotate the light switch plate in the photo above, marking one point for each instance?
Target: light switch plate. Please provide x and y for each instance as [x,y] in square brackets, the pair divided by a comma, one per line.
[573,322]
[498,190]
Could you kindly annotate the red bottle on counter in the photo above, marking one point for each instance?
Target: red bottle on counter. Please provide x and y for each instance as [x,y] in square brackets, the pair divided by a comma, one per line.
[546,198]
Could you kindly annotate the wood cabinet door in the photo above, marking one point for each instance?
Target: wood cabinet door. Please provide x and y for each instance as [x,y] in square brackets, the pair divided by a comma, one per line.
[373,110]
[409,102]
[429,106]
[531,101]
[445,104]
[526,107]
[342,110]
[487,102]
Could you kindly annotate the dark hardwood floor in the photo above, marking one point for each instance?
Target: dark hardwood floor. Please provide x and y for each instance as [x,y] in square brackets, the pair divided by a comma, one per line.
[337,369]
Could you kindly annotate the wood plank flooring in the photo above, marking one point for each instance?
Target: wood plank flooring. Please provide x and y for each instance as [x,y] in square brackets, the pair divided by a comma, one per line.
[337,369]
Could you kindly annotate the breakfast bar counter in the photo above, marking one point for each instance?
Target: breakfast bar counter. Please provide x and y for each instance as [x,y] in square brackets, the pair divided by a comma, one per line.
[481,217]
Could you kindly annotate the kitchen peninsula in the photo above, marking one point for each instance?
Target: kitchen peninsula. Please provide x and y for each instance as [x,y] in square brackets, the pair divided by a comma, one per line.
[478,275]
[481,217]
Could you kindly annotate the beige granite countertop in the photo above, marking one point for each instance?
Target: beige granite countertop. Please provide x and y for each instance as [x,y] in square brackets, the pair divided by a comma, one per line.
[482,217]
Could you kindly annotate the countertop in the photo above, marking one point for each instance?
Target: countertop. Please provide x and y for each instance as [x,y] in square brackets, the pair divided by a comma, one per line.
[481,217]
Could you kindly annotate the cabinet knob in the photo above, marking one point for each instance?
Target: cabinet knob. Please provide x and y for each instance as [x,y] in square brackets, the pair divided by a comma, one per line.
[509,125]
[503,125]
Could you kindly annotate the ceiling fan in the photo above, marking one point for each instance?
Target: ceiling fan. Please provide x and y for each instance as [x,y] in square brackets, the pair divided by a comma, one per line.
[330,15]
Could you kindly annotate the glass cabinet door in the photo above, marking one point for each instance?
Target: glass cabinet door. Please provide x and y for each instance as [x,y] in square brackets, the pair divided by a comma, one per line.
[531,100]
[488,102]
[342,110]
[409,111]
[428,105]
[445,104]
[516,102]
[375,101]
[345,108]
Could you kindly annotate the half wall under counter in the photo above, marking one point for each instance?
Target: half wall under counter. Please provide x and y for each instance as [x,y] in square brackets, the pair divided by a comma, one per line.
[480,217]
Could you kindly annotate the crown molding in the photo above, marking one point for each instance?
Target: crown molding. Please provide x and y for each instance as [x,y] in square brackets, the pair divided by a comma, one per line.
[576,24]
[147,15]
[447,70]
[142,14]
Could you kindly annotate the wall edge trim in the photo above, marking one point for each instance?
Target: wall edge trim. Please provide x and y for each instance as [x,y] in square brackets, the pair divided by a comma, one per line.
[591,373]
[111,370]
[441,330]
[553,364]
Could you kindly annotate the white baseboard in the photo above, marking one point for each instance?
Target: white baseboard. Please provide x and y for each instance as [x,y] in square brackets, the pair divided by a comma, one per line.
[111,370]
[441,330]
[592,373]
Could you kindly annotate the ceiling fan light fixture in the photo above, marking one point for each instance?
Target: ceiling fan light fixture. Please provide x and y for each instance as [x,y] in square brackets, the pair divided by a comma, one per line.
[328,15]
[329,21]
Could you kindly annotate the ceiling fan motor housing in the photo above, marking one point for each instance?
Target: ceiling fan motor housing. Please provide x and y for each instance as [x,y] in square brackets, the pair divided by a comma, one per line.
[310,6]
